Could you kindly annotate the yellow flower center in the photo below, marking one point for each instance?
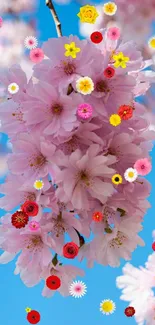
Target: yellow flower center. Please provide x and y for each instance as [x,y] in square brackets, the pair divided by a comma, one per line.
[107,306]
[131,174]
[38,185]
[88,14]
[152,43]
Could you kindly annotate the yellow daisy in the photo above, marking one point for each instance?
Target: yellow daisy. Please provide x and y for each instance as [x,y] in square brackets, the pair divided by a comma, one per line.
[117,179]
[85,85]
[120,60]
[110,8]
[28,309]
[71,50]
[88,14]
[38,184]
[107,306]
[13,88]
[151,42]
[115,120]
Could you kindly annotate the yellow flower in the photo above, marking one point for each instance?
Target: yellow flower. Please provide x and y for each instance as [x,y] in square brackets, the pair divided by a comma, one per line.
[115,120]
[38,184]
[117,179]
[88,14]
[28,309]
[151,42]
[85,85]
[71,50]
[107,306]
[110,8]
[13,88]
[120,60]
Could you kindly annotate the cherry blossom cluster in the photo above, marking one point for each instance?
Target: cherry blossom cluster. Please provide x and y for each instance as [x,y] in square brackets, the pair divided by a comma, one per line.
[80,151]
[16,6]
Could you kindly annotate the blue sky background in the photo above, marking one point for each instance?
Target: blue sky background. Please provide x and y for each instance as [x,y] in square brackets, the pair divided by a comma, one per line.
[100,281]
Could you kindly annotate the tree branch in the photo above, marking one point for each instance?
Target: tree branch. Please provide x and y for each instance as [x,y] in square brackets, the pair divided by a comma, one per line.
[49,4]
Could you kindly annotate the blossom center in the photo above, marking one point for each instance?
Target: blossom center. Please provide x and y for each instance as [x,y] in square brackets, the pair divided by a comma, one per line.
[57,109]
[69,68]
[101,86]
[38,161]
[84,178]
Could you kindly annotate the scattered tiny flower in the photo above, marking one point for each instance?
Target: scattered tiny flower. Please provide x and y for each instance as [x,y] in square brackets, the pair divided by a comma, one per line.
[97,216]
[85,85]
[143,166]
[113,33]
[88,14]
[110,8]
[107,306]
[96,37]
[129,311]
[70,250]
[13,88]
[19,219]
[36,55]
[120,60]
[153,246]
[30,208]
[28,309]
[109,72]
[1,22]
[117,179]
[151,42]
[53,282]
[31,42]
[33,317]
[38,185]
[34,226]
[130,175]
[77,289]
[71,50]
[125,112]
[84,111]
[115,120]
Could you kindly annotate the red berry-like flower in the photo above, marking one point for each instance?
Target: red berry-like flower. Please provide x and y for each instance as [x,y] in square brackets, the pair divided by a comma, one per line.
[33,317]
[109,72]
[129,311]
[30,208]
[125,112]
[96,37]
[19,219]
[97,216]
[70,250]
[53,282]
[153,246]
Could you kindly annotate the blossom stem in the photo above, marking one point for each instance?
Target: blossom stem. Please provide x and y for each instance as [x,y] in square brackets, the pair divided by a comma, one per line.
[55,260]
[50,5]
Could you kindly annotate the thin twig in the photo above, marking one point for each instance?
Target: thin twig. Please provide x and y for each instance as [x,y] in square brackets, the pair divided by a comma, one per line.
[49,4]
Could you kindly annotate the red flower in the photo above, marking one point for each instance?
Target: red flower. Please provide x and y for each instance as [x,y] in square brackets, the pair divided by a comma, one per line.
[30,208]
[109,72]
[19,219]
[70,250]
[53,282]
[125,112]
[33,317]
[129,311]
[97,216]
[153,246]
[96,37]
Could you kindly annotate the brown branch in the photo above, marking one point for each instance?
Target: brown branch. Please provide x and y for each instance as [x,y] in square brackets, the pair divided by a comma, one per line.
[49,4]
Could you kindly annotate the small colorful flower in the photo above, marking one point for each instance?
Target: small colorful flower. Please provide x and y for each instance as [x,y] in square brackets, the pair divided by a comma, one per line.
[97,216]
[84,111]
[53,282]
[77,289]
[13,88]
[30,42]
[85,85]
[117,179]
[153,246]
[130,175]
[125,112]
[151,42]
[33,317]
[38,184]
[113,33]
[110,8]
[30,208]
[96,37]
[115,120]
[120,60]
[70,250]
[143,166]
[88,14]
[28,309]
[1,22]
[109,72]
[71,50]
[34,226]
[36,55]
[19,219]
[129,311]
[107,306]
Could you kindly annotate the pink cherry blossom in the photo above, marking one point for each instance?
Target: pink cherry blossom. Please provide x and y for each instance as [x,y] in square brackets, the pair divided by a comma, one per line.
[143,166]
[36,55]
[113,33]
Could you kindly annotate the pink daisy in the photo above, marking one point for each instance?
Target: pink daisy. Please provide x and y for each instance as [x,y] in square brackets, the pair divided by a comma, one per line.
[36,55]
[30,42]
[34,225]
[77,289]
[84,111]
[113,33]
[1,22]
[143,166]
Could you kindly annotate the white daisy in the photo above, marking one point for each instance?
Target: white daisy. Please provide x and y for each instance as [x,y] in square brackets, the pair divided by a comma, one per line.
[77,289]
[38,184]
[85,85]
[30,42]
[130,175]
[13,88]
[107,306]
